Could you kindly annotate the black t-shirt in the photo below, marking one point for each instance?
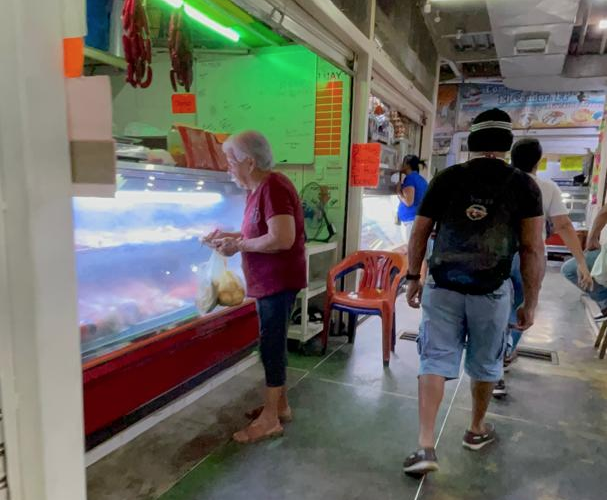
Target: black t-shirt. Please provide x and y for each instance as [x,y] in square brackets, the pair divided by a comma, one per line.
[478,207]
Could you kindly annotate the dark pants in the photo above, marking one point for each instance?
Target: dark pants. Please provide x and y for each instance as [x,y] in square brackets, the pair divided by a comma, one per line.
[274,313]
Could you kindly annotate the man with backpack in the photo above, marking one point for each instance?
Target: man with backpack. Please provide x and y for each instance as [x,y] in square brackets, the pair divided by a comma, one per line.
[484,212]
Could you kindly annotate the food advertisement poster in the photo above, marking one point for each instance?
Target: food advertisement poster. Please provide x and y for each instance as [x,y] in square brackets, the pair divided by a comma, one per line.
[446,110]
[531,109]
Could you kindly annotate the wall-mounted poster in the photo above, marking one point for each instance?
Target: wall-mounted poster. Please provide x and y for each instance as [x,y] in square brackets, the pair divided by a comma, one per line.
[446,110]
[446,117]
[531,109]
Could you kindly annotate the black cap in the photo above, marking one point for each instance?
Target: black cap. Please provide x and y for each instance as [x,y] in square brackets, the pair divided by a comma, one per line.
[491,131]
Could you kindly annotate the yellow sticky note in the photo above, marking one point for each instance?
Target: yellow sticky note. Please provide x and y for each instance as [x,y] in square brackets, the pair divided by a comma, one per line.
[572,163]
[543,166]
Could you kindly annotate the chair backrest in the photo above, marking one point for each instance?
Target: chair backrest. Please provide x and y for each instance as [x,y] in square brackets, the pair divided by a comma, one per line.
[379,268]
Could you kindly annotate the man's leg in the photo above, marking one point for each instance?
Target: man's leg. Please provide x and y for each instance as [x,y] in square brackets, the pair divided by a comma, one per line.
[481,397]
[517,287]
[440,346]
[599,292]
[431,391]
[487,319]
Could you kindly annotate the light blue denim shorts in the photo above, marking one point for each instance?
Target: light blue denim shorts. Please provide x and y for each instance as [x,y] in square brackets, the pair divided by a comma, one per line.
[453,322]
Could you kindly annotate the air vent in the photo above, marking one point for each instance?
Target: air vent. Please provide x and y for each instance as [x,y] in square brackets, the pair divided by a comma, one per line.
[528,47]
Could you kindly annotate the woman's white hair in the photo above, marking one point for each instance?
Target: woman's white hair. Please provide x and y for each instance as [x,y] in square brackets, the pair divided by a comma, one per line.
[251,144]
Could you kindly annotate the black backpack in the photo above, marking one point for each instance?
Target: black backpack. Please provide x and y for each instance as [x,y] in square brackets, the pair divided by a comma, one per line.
[475,243]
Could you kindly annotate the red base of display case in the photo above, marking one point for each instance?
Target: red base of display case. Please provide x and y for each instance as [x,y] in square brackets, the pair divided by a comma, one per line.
[556,241]
[125,385]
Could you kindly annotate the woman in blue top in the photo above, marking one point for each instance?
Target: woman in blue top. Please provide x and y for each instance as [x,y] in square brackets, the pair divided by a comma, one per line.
[410,193]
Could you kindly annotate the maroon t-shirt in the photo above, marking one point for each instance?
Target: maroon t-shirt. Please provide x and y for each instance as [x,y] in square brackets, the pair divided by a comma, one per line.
[271,273]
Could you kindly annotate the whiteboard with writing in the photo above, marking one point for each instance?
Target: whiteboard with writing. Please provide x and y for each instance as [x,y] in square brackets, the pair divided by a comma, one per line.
[272,91]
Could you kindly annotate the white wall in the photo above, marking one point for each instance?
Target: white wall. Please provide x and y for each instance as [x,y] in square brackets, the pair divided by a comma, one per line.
[147,112]
[40,370]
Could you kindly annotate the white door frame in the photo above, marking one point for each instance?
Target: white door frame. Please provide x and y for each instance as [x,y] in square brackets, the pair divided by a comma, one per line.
[40,367]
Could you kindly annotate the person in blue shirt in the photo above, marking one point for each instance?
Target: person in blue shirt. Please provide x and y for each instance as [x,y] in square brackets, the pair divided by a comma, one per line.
[410,193]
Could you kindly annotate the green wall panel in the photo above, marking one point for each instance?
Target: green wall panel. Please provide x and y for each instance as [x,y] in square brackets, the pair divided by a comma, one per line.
[271,90]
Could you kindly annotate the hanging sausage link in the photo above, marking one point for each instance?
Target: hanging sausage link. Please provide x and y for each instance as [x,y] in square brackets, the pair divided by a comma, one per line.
[180,50]
[137,44]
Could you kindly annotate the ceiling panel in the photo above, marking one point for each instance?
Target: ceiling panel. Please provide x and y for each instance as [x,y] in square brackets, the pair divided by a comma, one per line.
[557,36]
[535,12]
[541,65]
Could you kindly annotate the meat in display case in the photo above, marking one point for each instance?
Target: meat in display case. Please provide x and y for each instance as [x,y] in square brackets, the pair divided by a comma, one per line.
[139,261]
[138,255]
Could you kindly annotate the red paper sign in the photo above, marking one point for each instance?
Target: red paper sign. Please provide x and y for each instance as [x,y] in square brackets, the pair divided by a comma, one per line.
[364,170]
[183,104]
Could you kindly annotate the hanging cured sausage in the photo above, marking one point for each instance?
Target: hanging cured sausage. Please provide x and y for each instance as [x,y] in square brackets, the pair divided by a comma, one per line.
[137,44]
[180,50]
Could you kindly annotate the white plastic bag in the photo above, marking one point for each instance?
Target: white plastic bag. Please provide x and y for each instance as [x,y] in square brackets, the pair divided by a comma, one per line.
[599,269]
[218,285]
[206,295]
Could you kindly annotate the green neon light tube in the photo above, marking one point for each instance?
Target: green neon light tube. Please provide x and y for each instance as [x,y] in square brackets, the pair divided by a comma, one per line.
[199,17]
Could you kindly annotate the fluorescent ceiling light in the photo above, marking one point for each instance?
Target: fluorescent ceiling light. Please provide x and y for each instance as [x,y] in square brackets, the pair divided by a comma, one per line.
[603,24]
[196,15]
[199,17]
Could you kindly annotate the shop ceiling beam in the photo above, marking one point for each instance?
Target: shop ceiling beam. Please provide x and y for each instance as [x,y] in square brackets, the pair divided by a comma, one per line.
[383,65]
[336,22]
[459,35]
[587,8]
[457,71]
[288,16]
[105,58]
[223,52]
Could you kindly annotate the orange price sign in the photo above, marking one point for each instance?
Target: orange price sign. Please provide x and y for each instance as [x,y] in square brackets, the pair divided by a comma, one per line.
[364,169]
[183,104]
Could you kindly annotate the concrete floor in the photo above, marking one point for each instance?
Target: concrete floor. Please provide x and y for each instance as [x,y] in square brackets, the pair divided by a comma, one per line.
[355,422]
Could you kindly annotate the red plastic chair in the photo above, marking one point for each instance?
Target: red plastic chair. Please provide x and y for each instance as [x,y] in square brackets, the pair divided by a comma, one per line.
[383,274]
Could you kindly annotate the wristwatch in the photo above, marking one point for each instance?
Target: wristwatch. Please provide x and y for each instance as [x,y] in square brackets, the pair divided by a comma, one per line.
[413,277]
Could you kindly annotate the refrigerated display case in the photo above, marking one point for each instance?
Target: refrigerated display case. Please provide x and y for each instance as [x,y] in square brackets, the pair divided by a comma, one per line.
[139,261]
[380,230]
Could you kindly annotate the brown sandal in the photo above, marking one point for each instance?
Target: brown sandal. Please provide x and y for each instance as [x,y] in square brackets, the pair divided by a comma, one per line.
[252,434]
[284,418]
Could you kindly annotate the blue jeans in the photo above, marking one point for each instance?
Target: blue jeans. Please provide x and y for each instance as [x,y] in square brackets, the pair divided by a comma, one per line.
[452,321]
[516,278]
[274,313]
[599,292]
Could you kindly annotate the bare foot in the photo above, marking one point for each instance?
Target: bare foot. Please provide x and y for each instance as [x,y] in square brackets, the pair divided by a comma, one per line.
[258,431]
[285,415]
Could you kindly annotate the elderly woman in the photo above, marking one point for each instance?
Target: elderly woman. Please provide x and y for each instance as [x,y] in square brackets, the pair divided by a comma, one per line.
[271,242]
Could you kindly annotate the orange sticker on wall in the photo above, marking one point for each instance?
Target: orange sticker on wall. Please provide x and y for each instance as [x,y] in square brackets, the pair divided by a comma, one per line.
[329,104]
[183,104]
[364,170]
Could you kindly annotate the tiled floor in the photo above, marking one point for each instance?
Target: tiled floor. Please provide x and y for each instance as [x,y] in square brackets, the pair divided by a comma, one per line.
[355,422]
